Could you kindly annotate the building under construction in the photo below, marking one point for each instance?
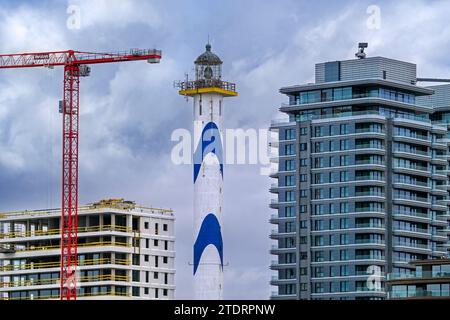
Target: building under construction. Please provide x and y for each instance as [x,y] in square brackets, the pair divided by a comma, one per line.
[125,251]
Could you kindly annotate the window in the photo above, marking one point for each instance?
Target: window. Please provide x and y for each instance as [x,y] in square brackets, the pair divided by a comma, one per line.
[156,228]
[135,291]
[289,134]
[166,278]
[303,193]
[343,176]
[319,178]
[343,285]
[136,259]
[156,261]
[318,287]
[319,131]
[319,146]
[155,243]
[344,160]
[303,162]
[165,259]
[344,271]
[319,162]
[289,149]
[166,245]
[344,128]
[165,227]
[344,223]
[289,180]
[344,239]
[344,192]
[289,212]
[344,207]
[289,165]
[289,196]
[147,276]
[155,275]
[303,209]
[303,146]
[303,178]
[345,144]
[147,243]
[343,254]
[145,225]
[146,257]
[303,131]
[156,293]
[319,209]
[164,292]
[135,276]
[146,291]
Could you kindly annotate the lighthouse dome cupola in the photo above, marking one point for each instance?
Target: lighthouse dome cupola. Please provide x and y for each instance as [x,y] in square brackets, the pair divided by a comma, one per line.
[208,66]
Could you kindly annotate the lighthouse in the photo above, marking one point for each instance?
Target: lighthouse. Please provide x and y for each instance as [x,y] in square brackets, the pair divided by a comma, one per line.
[208,91]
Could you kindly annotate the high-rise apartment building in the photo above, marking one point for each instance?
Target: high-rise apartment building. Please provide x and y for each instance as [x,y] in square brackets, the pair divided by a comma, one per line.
[125,251]
[362,180]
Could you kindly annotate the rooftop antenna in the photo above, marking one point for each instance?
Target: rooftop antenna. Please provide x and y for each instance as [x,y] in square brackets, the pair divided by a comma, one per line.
[361,46]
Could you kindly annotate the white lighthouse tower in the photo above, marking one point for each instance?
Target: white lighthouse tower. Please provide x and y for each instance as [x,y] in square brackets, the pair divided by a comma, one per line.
[208,91]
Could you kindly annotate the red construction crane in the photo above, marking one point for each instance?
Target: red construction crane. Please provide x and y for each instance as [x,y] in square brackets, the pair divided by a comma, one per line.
[75,66]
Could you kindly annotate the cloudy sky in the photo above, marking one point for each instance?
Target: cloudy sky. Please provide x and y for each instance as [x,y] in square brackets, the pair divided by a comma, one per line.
[128,111]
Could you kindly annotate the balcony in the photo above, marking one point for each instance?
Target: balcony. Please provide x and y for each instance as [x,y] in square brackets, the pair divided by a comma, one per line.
[31,248]
[413,151]
[369,178]
[402,294]
[369,257]
[51,232]
[412,167]
[415,230]
[79,295]
[370,130]
[413,245]
[370,162]
[369,146]
[411,198]
[57,264]
[412,183]
[369,225]
[370,241]
[369,194]
[56,281]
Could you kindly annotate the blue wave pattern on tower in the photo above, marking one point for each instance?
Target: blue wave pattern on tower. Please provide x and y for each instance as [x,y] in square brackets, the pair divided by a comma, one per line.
[210,233]
[210,142]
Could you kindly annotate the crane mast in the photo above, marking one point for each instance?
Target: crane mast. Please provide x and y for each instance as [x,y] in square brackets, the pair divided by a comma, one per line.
[75,65]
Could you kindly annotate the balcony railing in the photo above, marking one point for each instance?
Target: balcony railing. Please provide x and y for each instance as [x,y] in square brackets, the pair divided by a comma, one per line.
[418,275]
[57,264]
[207,83]
[397,294]
[412,245]
[20,248]
[47,282]
[50,232]
[81,295]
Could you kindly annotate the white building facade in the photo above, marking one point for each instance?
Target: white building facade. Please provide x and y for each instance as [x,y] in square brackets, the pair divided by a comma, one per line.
[125,251]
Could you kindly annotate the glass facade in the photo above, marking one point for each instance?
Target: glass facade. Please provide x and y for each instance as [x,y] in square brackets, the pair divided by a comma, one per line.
[371,191]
